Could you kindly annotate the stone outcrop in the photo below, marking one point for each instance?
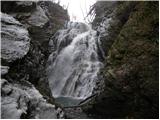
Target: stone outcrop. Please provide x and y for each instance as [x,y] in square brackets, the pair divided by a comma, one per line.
[109,20]
[24,101]
[131,70]
[26,30]
[15,39]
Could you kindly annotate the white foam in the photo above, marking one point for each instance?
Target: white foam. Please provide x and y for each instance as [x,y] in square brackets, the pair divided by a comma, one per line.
[73,72]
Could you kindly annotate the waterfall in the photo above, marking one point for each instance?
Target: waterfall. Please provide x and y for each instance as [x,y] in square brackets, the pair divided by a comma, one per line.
[73,64]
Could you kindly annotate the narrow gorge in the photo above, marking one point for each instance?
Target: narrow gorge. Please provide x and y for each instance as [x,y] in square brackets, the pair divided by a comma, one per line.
[56,68]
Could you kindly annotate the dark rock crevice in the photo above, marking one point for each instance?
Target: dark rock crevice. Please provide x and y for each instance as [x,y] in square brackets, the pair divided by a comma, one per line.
[131,65]
[29,70]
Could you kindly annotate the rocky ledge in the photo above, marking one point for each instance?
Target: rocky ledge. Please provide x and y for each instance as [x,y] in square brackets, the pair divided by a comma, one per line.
[26,30]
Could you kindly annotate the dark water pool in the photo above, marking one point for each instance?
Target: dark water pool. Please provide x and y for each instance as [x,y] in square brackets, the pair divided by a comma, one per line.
[68,101]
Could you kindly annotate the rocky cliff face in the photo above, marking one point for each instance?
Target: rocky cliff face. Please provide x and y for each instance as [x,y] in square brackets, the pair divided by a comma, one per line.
[127,44]
[26,30]
[131,58]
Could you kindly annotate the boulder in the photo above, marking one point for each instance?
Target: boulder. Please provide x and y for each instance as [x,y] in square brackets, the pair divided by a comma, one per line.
[4,70]
[38,18]
[15,39]
[24,101]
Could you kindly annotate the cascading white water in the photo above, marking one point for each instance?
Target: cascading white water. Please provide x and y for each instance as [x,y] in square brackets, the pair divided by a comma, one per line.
[73,65]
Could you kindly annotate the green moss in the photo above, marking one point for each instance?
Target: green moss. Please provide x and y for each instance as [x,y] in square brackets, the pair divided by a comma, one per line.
[136,46]
[132,73]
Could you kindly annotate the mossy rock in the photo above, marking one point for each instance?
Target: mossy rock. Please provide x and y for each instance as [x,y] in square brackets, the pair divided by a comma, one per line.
[132,66]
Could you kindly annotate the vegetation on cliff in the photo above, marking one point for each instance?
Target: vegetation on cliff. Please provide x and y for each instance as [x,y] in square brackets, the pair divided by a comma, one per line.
[131,70]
